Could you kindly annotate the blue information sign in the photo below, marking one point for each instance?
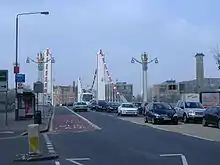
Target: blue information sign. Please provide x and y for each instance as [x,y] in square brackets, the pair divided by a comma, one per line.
[145,67]
[20,78]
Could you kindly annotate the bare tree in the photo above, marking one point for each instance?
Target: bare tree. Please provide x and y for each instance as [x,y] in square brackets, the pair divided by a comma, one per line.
[216,55]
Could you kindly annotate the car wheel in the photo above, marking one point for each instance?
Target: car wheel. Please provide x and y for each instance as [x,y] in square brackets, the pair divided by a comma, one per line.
[154,121]
[145,120]
[218,124]
[175,122]
[185,119]
[204,123]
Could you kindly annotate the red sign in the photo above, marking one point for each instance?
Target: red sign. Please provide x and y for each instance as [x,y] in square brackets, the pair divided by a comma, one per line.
[16,69]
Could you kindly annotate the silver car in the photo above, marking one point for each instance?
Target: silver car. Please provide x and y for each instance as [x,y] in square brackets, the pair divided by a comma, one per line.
[80,106]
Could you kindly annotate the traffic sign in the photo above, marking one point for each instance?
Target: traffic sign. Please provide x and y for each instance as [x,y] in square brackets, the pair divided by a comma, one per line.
[3,80]
[20,87]
[20,78]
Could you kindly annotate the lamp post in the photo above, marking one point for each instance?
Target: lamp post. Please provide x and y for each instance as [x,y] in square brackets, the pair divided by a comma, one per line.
[144,62]
[16,67]
[40,63]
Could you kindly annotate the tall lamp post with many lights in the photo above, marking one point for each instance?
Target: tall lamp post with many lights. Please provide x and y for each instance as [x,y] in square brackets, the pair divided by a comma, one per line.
[41,61]
[16,66]
[144,62]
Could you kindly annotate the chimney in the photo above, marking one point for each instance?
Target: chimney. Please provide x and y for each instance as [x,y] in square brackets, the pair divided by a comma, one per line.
[199,71]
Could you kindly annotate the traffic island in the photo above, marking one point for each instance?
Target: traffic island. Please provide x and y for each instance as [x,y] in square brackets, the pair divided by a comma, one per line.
[34,153]
[38,157]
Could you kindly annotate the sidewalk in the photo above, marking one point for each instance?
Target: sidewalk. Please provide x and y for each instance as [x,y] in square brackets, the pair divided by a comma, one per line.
[15,128]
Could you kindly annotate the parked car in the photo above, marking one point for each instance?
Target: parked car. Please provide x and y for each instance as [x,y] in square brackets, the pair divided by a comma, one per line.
[101,105]
[158,112]
[140,109]
[112,107]
[80,106]
[127,109]
[189,111]
[212,116]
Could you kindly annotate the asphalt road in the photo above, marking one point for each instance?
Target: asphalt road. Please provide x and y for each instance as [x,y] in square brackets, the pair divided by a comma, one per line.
[121,142]
[210,133]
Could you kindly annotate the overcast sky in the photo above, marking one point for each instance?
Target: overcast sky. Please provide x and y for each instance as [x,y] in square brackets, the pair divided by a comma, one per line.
[75,30]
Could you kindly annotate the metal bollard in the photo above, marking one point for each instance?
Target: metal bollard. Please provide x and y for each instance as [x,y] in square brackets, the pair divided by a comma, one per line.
[33,139]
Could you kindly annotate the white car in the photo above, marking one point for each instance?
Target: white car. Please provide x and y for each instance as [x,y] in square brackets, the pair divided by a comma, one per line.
[127,109]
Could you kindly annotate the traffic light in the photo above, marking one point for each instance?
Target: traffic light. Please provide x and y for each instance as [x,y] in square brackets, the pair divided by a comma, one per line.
[172,87]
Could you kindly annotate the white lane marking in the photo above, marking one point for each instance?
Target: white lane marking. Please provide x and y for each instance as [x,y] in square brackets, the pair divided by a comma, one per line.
[50,147]
[93,125]
[198,137]
[183,158]
[75,160]
[57,163]
[5,132]
[51,120]
[47,139]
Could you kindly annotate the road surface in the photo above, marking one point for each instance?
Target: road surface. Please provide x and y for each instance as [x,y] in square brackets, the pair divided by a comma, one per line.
[110,140]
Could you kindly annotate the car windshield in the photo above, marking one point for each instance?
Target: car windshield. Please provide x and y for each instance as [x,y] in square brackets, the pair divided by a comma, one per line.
[87,97]
[102,102]
[137,104]
[193,105]
[128,105]
[114,104]
[80,103]
[162,106]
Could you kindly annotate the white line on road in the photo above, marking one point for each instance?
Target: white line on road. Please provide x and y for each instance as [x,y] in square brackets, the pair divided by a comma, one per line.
[93,125]
[75,160]
[57,163]
[5,132]
[50,147]
[183,158]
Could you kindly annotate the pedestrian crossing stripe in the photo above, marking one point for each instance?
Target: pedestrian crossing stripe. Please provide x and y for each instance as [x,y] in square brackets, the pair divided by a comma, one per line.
[34,144]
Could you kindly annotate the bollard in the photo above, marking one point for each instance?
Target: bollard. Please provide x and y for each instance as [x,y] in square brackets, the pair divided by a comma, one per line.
[33,139]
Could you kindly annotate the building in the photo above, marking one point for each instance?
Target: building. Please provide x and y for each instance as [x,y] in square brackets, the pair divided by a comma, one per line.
[170,90]
[64,94]
[123,88]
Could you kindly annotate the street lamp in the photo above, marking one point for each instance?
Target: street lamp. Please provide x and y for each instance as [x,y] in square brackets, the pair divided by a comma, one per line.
[144,62]
[16,67]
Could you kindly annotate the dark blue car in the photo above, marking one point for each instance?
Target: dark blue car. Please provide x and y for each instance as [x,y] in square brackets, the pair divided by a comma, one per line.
[158,112]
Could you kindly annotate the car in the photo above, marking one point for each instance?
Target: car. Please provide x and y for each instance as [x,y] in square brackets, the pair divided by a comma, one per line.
[127,109]
[190,111]
[112,107]
[159,112]
[101,105]
[211,116]
[139,107]
[80,106]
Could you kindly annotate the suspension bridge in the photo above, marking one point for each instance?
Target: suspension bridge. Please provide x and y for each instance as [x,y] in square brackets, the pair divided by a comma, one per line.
[103,86]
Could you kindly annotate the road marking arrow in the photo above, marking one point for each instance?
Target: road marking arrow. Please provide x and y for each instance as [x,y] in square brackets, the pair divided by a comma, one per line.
[75,160]
[183,158]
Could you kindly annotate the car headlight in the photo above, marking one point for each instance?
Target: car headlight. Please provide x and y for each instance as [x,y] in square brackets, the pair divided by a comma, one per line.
[191,113]
[175,115]
[157,115]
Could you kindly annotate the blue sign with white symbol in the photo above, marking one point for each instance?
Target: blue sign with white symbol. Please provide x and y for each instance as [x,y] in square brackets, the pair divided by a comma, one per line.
[145,67]
[20,78]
